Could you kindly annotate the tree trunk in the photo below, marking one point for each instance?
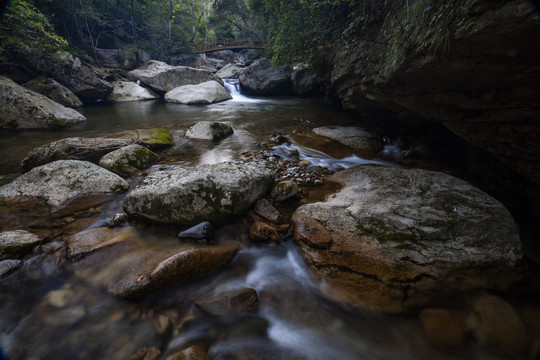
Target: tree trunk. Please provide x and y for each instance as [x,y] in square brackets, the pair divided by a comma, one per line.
[133,25]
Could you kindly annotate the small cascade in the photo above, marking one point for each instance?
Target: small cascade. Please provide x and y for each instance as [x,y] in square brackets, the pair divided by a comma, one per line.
[233,87]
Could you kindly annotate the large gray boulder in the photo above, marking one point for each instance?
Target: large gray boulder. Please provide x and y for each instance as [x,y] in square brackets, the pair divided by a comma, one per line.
[208,130]
[63,180]
[354,137]
[204,93]
[77,148]
[396,239]
[14,244]
[130,91]
[128,159]
[25,109]
[306,82]
[216,193]
[163,77]
[54,91]
[264,79]
[230,71]
[69,71]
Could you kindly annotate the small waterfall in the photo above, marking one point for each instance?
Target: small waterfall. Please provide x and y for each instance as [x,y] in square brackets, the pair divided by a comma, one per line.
[233,87]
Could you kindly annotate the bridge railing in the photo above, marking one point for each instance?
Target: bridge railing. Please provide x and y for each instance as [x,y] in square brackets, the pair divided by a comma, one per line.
[231,44]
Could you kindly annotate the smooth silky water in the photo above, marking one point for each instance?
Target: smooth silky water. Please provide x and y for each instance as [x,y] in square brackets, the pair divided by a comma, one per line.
[53,309]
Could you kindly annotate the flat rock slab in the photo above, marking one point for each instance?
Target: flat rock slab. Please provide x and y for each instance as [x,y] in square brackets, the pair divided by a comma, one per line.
[395,239]
[354,137]
[64,180]
[143,273]
[216,193]
[23,108]
[130,91]
[89,241]
[14,244]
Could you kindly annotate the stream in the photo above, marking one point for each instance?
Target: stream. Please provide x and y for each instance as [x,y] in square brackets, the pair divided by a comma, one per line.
[54,309]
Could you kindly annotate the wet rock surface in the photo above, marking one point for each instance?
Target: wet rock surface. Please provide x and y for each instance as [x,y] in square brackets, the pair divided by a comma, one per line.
[128,160]
[14,244]
[264,79]
[77,148]
[130,91]
[206,130]
[25,109]
[228,303]
[395,239]
[89,241]
[215,193]
[9,266]
[163,77]
[63,180]
[54,91]
[208,92]
[143,273]
[203,232]
[352,136]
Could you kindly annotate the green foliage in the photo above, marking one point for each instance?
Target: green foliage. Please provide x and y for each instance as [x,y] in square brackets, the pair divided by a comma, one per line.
[23,25]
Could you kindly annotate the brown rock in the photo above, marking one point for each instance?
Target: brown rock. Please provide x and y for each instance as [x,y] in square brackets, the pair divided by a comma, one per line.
[443,329]
[191,353]
[262,232]
[228,302]
[146,353]
[89,241]
[265,209]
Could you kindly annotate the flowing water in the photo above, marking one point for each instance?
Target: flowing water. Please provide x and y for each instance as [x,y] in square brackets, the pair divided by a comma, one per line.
[53,309]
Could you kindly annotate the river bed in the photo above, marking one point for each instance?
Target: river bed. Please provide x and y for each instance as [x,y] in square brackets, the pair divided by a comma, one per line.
[53,309]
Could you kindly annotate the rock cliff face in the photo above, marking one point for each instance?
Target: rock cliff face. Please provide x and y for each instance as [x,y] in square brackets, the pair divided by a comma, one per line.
[471,65]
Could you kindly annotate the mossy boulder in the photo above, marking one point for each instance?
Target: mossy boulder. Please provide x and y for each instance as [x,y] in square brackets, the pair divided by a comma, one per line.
[396,239]
[23,108]
[153,139]
[216,193]
[14,244]
[128,159]
[61,181]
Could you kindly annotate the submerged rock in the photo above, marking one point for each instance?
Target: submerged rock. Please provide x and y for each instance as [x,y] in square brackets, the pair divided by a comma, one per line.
[54,91]
[208,92]
[264,79]
[142,273]
[163,77]
[77,148]
[352,136]
[443,329]
[63,180]
[128,159]
[260,232]
[497,327]
[14,244]
[396,239]
[207,130]
[25,109]
[191,353]
[92,240]
[229,302]
[216,193]
[130,91]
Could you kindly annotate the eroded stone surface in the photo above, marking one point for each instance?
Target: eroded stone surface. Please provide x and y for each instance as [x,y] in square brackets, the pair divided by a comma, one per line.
[395,239]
